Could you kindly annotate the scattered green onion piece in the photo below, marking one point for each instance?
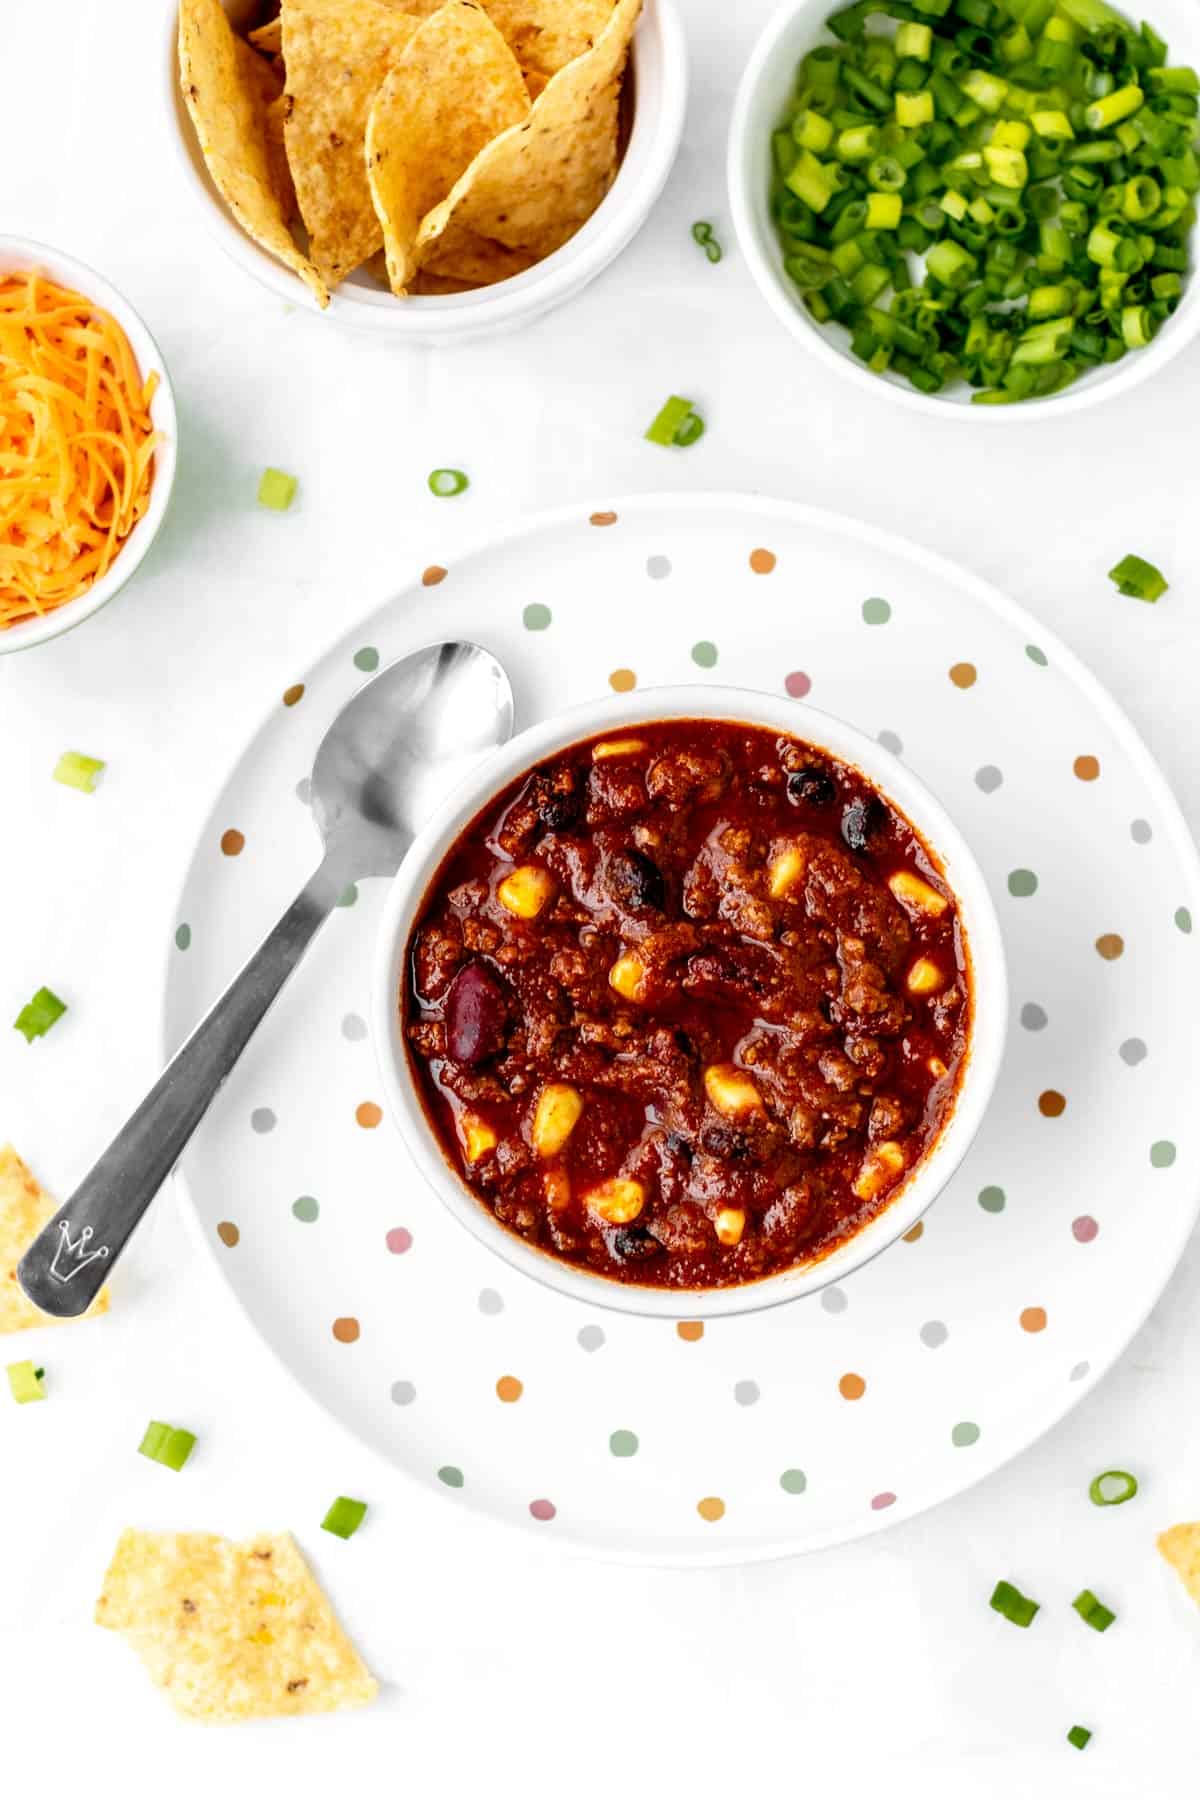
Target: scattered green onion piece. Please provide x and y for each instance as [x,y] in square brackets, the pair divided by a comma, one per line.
[276,490]
[39,1014]
[344,1517]
[1093,1612]
[702,231]
[75,770]
[26,1382]
[169,1445]
[1079,1736]
[1013,1605]
[1112,1488]
[446,483]
[675,424]
[1138,578]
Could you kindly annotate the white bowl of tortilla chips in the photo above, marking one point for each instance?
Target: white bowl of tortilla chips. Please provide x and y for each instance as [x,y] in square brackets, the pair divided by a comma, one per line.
[431,169]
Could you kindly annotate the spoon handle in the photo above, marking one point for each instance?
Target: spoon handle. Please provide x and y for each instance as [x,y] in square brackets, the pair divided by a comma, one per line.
[71,1258]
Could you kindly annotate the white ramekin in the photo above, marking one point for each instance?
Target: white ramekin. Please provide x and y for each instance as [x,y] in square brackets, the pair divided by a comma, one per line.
[762,97]
[658,77]
[26,253]
[843,741]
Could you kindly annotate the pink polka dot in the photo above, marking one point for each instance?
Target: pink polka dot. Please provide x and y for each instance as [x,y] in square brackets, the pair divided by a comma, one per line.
[1084,1228]
[881,1501]
[542,1509]
[798,684]
[399,1240]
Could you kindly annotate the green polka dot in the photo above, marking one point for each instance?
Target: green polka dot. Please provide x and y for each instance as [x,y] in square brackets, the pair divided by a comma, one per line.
[793,1481]
[536,616]
[451,1476]
[183,936]
[305,1209]
[623,1443]
[1037,656]
[366,659]
[992,1199]
[1162,1154]
[1022,883]
[876,612]
[704,654]
[349,896]
[1183,919]
[964,1433]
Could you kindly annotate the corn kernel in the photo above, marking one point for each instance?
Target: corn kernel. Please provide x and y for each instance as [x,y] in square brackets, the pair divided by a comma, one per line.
[627,975]
[478,1137]
[879,1169]
[617,1200]
[786,870]
[937,1068]
[729,1224]
[616,747]
[555,1117]
[924,977]
[916,895]
[556,1185]
[730,1092]
[525,891]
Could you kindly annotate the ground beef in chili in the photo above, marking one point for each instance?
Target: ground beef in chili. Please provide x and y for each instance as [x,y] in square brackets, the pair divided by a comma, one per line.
[687,1003]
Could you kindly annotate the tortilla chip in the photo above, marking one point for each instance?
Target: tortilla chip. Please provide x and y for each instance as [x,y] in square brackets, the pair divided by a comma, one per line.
[536,184]
[268,38]
[1180,1546]
[231,1631]
[24,1209]
[535,82]
[227,111]
[477,261]
[265,80]
[545,35]
[337,53]
[425,283]
[454,89]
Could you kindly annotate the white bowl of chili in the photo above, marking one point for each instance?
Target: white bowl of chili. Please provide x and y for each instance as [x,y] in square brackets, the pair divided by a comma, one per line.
[86,498]
[444,1156]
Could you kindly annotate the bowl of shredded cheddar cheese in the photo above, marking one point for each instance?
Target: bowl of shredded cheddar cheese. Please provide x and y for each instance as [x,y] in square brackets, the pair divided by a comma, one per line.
[87,442]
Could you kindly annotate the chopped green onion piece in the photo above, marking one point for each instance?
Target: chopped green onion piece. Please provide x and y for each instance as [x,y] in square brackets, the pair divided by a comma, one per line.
[35,1019]
[1080,1736]
[446,483]
[1013,1605]
[277,490]
[1113,108]
[75,770]
[169,1445]
[1093,1612]
[702,231]
[1112,1488]
[344,1517]
[883,212]
[675,424]
[914,109]
[1138,578]
[913,39]
[25,1382]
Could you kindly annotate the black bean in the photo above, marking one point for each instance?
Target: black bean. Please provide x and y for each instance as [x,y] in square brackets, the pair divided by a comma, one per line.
[811,786]
[724,1142]
[633,1243]
[861,821]
[637,882]
[558,799]
[477,1012]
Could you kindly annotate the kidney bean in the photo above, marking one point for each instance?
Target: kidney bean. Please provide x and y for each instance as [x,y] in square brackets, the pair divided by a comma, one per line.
[811,786]
[633,1243]
[478,1008]
[861,821]
[637,882]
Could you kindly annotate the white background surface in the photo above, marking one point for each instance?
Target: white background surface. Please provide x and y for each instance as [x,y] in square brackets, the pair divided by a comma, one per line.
[873,1669]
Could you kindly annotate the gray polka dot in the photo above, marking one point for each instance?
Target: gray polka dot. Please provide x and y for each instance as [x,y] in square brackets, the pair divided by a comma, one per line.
[304,791]
[354,1029]
[1080,1370]
[658,567]
[833,1300]
[403,1393]
[262,1119]
[490,1302]
[992,1199]
[933,1334]
[746,1392]
[892,741]
[1034,1017]
[1022,883]
[988,779]
[590,1337]
[793,1481]
[306,1209]
[1133,1051]
[1141,831]
[964,1433]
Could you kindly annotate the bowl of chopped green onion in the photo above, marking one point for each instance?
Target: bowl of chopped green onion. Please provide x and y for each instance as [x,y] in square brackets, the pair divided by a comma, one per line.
[974,203]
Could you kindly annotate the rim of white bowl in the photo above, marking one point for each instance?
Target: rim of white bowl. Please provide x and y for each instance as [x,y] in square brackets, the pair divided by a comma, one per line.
[825,731]
[1089,390]
[659,44]
[23,252]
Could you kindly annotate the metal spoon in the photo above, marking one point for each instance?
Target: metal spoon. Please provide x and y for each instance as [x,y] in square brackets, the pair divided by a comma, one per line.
[390,754]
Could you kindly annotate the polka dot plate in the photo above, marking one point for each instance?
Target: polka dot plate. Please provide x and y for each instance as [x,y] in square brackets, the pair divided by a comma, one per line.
[827,1418]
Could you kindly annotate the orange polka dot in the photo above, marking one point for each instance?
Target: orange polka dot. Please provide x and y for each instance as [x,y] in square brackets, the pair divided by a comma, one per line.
[294,693]
[711,1508]
[1087,768]
[232,842]
[690,1330]
[346,1331]
[509,1388]
[917,1232]
[1110,945]
[852,1387]
[432,575]
[603,518]
[1052,1104]
[622,680]
[964,675]
[762,561]
[228,1233]
[1033,1318]
[368,1115]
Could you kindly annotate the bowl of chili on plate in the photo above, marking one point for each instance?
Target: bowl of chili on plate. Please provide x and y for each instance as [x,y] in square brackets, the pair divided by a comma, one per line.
[691,1005]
